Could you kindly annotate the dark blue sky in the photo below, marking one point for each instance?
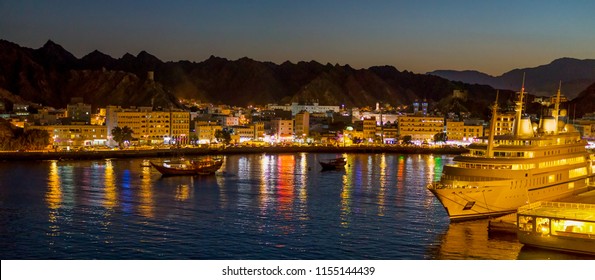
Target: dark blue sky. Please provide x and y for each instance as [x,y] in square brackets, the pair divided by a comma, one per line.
[420,36]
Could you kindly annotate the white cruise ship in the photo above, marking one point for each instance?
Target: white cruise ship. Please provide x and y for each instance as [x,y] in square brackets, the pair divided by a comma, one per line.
[535,163]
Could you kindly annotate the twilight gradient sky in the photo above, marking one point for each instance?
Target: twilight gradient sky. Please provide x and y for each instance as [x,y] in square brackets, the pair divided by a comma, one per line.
[419,36]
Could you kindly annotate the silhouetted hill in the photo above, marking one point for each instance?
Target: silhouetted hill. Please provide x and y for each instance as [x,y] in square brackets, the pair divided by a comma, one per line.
[52,76]
[584,103]
[575,74]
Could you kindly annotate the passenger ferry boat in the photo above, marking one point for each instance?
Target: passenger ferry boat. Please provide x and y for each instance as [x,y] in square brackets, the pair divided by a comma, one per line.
[558,226]
[535,163]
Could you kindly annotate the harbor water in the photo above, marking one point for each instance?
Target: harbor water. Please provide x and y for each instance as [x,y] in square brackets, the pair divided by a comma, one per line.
[257,207]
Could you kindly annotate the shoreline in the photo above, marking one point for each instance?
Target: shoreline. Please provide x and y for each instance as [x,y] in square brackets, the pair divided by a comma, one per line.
[132,153]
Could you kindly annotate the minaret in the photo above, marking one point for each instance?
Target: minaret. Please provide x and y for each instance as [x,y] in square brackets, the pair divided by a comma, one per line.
[519,110]
[556,112]
[490,152]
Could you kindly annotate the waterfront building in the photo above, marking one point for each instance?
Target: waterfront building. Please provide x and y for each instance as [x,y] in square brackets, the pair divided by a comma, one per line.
[381,118]
[369,129]
[68,137]
[205,131]
[460,131]
[282,130]
[252,132]
[302,124]
[420,127]
[389,134]
[171,126]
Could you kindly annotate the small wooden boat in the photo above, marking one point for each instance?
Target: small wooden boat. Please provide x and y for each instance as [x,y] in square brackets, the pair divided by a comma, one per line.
[333,164]
[189,167]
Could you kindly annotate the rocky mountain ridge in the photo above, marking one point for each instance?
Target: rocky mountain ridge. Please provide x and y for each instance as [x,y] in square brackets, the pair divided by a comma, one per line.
[51,76]
[575,74]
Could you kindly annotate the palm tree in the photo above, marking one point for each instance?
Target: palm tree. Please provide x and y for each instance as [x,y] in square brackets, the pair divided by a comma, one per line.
[121,135]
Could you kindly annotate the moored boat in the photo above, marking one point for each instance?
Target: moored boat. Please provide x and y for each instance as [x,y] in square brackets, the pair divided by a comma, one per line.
[206,166]
[333,164]
[558,226]
[534,163]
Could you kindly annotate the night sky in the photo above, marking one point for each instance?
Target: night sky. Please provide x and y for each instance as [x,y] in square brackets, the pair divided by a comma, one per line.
[419,36]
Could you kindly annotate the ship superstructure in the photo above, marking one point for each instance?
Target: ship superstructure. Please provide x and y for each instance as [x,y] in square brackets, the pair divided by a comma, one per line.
[537,162]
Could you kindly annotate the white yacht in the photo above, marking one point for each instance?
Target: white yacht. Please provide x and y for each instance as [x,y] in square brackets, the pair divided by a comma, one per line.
[535,163]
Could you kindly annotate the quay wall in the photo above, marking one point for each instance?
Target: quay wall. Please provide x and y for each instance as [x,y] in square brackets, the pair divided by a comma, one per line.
[141,153]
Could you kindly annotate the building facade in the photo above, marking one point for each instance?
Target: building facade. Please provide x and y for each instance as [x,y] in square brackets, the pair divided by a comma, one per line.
[419,127]
[149,126]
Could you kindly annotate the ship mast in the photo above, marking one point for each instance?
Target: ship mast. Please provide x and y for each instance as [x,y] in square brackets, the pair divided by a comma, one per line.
[490,151]
[519,110]
[556,112]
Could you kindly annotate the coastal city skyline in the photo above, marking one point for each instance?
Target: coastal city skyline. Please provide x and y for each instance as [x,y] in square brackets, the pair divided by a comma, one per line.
[296,138]
[418,36]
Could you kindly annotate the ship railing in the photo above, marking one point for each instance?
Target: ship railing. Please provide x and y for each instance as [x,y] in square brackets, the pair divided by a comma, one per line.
[566,205]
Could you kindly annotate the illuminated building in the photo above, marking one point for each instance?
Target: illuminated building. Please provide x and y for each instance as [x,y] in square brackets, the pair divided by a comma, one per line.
[420,128]
[369,129]
[205,131]
[295,108]
[456,130]
[250,132]
[302,124]
[282,130]
[75,136]
[504,123]
[150,126]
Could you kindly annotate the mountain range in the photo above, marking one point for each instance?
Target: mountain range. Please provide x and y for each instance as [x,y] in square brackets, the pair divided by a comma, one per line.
[574,74]
[51,76]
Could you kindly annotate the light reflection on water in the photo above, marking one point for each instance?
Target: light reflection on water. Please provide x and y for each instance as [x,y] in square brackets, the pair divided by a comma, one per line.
[263,206]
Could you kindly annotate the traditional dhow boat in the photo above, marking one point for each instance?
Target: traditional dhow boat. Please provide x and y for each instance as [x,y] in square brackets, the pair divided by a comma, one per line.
[189,167]
[535,163]
[333,164]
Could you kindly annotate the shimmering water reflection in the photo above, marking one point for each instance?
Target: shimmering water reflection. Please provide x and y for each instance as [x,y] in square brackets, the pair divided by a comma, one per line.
[263,206]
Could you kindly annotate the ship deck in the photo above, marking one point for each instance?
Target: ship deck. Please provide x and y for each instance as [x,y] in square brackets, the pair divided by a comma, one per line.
[507,223]
[563,210]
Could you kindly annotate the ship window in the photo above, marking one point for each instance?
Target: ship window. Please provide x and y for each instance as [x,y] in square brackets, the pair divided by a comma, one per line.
[525,223]
[543,225]
[551,178]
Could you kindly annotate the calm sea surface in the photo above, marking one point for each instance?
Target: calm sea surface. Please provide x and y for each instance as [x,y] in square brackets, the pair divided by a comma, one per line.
[261,206]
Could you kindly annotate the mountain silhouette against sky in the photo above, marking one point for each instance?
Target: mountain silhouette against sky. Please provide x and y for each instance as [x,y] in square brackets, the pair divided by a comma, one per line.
[51,76]
[576,75]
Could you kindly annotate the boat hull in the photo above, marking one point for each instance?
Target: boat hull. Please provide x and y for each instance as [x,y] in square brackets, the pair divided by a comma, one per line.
[475,203]
[335,164]
[191,170]
[493,201]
